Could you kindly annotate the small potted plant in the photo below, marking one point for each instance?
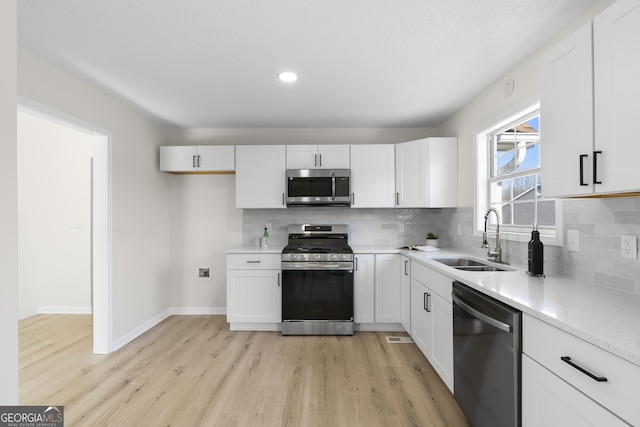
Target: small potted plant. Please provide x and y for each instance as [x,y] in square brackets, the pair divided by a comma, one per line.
[431,239]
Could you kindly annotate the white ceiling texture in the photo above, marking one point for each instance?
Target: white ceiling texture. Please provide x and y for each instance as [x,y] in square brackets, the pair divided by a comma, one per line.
[360,63]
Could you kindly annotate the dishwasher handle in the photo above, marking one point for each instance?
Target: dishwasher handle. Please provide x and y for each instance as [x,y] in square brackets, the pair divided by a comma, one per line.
[479,315]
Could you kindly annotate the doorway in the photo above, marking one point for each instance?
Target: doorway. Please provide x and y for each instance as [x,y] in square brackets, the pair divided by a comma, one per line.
[95,227]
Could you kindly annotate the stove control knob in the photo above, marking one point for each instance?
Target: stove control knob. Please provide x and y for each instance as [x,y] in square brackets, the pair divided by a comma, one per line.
[292,257]
[318,256]
[302,257]
[332,257]
[343,257]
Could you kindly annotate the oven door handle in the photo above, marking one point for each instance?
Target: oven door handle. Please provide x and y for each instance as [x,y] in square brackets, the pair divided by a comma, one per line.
[479,315]
[309,266]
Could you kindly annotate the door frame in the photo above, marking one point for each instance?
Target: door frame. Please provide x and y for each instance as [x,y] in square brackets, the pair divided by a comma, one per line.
[101,219]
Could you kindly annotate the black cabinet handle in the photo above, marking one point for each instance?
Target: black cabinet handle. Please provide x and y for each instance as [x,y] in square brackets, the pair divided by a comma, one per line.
[406,264]
[567,359]
[193,162]
[425,302]
[582,157]
[397,198]
[356,266]
[595,167]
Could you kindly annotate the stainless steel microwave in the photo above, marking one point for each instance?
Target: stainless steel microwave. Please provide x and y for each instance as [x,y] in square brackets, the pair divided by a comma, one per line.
[318,187]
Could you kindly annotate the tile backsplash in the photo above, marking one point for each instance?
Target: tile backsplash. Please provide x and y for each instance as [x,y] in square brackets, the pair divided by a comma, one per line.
[600,223]
[382,227]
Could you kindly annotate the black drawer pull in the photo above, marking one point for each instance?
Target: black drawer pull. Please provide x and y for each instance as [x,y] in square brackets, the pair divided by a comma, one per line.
[595,167]
[567,359]
[582,157]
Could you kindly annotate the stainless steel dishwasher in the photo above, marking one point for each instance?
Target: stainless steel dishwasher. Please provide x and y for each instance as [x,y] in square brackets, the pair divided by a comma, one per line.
[487,351]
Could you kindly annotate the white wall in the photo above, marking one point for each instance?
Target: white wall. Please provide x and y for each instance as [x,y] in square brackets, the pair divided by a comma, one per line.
[8,207]
[140,193]
[492,105]
[54,235]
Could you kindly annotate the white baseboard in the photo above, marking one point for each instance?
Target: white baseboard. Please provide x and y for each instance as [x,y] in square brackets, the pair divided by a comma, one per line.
[198,311]
[269,327]
[378,327]
[119,343]
[64,309]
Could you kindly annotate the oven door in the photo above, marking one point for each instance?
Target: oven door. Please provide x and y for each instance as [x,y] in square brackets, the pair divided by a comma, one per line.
[317,295]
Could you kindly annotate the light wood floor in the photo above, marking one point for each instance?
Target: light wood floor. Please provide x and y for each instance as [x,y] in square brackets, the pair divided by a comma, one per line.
[192,371]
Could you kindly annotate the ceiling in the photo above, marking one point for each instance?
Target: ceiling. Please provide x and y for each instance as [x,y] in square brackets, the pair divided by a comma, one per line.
[360,63]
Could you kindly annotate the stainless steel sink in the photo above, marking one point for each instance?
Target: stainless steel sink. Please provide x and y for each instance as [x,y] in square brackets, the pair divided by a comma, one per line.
[467,264]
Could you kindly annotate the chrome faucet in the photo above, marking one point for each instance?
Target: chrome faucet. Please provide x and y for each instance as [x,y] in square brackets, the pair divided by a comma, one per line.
[497,254]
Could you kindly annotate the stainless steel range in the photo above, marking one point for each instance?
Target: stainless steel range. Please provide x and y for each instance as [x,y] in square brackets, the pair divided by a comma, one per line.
[317,281]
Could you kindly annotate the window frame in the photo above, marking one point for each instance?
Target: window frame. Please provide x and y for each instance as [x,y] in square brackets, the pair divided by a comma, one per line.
[483,164]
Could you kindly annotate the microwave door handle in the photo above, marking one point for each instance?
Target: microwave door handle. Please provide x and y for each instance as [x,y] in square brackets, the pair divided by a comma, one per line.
[333,186]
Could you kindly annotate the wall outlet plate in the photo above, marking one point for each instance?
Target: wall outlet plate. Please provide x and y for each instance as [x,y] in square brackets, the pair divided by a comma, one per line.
[629,246]
[573,240]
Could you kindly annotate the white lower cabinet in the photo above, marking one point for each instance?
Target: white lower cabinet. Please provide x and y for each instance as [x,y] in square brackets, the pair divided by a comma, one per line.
[364,288]
[254,292]
[567,381]
[387,288]
[432,319]
[548,401]
[376,288]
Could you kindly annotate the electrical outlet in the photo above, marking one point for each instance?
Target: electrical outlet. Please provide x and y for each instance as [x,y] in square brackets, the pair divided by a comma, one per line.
[573,240]
[629,246]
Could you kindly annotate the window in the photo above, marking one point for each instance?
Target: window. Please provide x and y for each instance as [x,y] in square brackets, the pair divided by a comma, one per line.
[510,176]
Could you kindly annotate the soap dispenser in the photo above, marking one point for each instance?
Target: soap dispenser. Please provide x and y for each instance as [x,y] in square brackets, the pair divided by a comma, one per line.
[536,254]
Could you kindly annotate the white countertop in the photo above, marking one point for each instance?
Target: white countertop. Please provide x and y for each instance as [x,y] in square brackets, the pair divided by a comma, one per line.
[605,317]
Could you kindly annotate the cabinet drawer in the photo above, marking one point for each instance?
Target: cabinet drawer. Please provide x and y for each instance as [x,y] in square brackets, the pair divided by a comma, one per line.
[547,344]
[439,283]
[253,262]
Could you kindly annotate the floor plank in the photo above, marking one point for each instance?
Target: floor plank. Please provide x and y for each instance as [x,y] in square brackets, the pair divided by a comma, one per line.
[193,371]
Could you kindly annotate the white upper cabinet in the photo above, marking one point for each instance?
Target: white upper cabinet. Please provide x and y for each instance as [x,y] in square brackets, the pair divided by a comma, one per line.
[204,158]
[373,176]
[617,95]
[318,157]
[427,173]
[588,105]
[260,176]
[566,116]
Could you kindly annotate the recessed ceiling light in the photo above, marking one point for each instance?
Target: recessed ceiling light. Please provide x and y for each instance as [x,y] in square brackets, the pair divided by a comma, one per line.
[288,77]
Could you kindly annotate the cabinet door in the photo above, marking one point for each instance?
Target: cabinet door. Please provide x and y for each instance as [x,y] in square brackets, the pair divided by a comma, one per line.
[334,157]
[387,288]
[421,319]
[260,176]
[617,96]
[373,183]
[364,288]
[442,172]
[566,116]
[254,296]
[405,293]
[442,335]
[427,173]
[178,158]
[302,156]
[548,401]
[216,158]
[411,164]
